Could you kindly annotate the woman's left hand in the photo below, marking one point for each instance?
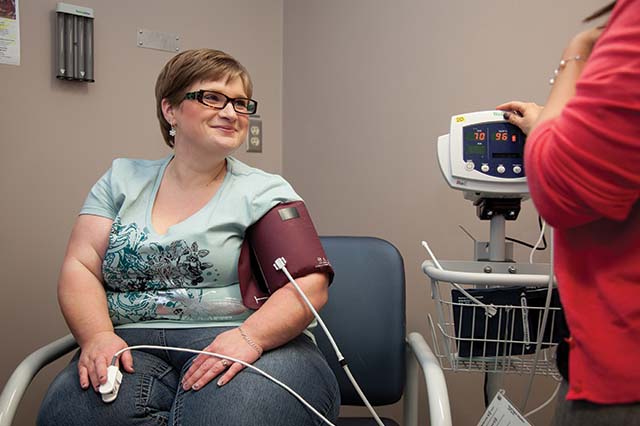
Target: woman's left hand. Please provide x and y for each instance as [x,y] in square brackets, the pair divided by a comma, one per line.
[205,367]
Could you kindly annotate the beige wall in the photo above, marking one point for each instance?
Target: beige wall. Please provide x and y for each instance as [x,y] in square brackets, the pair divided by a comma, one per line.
[58,137]
[368,87]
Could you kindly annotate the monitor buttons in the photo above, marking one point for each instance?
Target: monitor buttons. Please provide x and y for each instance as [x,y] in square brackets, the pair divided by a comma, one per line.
[500,169]
[517,170]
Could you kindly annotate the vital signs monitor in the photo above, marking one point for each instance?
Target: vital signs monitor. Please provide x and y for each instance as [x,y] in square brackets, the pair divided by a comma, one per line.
[483,155]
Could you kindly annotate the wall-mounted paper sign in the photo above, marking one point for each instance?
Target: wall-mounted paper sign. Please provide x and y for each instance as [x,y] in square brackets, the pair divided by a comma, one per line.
[9,32]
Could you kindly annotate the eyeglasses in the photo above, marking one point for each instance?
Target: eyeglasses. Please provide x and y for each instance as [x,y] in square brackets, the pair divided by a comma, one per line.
[219,101]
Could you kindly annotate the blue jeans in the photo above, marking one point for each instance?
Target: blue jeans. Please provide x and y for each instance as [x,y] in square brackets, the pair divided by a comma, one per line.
[152,395]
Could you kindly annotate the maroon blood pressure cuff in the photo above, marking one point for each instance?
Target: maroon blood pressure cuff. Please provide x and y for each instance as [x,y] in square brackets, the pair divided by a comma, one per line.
[284,231]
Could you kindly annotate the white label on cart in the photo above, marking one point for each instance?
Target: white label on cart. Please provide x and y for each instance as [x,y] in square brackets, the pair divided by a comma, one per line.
[502,413]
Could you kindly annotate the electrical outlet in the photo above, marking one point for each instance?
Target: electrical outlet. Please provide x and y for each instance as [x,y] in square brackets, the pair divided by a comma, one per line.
[254,135]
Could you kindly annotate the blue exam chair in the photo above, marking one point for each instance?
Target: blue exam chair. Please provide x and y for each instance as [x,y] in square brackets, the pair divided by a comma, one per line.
[366,316]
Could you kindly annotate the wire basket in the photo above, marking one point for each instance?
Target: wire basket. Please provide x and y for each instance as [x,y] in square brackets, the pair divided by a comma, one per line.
[489,316]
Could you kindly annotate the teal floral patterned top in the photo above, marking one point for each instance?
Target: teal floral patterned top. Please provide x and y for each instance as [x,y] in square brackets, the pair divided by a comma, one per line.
[188,276]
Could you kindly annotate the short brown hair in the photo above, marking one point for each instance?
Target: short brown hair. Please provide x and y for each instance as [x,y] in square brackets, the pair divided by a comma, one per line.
[192,66]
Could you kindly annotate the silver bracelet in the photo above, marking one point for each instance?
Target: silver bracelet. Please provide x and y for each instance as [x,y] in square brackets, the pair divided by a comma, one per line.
[250,342]
[561,66]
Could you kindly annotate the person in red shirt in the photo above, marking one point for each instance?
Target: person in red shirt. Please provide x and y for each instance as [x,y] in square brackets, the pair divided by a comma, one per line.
[582,157]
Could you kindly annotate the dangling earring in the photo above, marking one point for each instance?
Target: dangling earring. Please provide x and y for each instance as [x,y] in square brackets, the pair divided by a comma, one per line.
[172,132]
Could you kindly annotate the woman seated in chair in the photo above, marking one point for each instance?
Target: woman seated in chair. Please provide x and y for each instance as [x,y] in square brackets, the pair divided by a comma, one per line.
[152,260]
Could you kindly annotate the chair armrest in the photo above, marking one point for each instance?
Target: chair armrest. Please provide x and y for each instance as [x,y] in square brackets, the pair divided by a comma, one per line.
[420,354]
[26,371]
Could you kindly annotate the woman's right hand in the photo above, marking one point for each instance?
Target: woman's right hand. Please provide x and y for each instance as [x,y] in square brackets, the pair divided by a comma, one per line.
[95,357]
[522,114]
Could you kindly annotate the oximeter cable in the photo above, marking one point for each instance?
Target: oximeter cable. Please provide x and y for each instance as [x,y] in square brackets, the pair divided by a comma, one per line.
[542,328]
[280,265]
[171,348]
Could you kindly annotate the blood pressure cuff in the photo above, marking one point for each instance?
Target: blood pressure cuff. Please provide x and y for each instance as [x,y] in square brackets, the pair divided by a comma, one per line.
[284,231]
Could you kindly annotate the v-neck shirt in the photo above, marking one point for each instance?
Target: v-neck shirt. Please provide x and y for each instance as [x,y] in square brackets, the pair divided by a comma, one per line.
[188,276]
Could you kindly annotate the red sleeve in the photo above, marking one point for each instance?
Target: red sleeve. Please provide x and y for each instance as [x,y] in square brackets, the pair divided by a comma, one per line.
[585,164]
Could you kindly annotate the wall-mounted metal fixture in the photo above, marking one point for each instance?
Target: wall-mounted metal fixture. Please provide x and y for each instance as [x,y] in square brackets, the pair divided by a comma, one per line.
[74,42]
[159,40]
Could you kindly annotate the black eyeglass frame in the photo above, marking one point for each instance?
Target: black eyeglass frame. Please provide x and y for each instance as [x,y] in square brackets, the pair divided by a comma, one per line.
[199,96]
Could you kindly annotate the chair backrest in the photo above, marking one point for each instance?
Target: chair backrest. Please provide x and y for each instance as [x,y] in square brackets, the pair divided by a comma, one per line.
[366,316]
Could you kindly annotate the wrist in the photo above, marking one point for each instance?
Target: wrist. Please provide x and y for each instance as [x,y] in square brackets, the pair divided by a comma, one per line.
[572,53]
[85,338]
[249,341]
[568,60]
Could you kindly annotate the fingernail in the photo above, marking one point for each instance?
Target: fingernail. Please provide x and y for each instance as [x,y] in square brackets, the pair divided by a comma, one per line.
[221,382]
[195,386]
[506,115]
